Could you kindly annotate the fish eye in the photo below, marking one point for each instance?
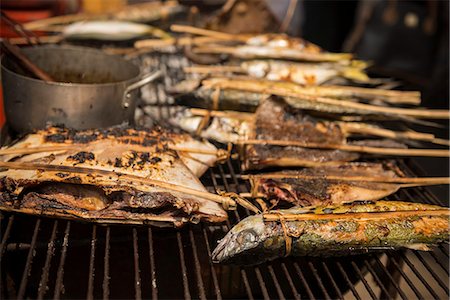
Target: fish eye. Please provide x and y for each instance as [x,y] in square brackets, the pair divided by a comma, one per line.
[247,236]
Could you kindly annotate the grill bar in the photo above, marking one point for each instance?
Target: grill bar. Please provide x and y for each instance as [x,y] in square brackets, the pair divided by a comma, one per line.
[376,278]
[46,269]
[198,271]
[212,269]
[392,285]
[277,284]
[303,280]
[422,280]
[151,253]
[137,271]
[60,272]
[295,293]
[90,291]
[105,284]
[28,265]
[187,294]
[5,237]
[333,282]
[319,280]
[405,277]
[364,281]
[435,276]
[347,280]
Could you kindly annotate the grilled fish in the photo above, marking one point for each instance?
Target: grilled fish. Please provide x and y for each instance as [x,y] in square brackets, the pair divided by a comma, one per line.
[118,175]
[332,230]
[305,73]
[320,190]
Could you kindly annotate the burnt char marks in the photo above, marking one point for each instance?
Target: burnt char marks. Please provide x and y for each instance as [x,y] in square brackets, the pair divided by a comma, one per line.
[125,135]
[82,156]
[134,158]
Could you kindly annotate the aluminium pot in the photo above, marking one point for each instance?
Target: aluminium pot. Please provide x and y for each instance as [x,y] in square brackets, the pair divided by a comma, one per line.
[92,89]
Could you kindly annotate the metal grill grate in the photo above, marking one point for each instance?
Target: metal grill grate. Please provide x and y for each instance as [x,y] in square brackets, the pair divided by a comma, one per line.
[44,258]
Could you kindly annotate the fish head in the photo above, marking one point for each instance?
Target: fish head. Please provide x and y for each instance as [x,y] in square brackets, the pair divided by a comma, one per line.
[242,243]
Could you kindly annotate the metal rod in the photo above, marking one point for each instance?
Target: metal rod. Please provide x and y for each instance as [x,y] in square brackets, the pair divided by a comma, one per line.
[363,280]
[6,236]
[276,283]
[408,281]
[295,293]
[433,274]
[212,269]
[137,271]
[187,294]
[27,270]
[60,272]
[303,280]
[384,291]
[46,269]
[393,282]
[90,291]
[347,280]
[418,275]
[105,284]
[319,280]
[153,282]
[198,268]
[262,284]
[333,282]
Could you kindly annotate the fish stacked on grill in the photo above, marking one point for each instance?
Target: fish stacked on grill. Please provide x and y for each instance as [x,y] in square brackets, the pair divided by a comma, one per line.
[284,103]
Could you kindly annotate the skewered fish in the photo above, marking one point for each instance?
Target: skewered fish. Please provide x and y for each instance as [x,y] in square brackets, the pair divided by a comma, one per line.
[118,175]
[296,188]
[297,92]
[272,51]
[231,94]
[352,228]
[305,73]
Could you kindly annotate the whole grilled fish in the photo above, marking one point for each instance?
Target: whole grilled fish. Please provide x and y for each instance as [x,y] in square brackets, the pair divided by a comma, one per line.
[113,175]
[320,190]
[353,228]
[304,73]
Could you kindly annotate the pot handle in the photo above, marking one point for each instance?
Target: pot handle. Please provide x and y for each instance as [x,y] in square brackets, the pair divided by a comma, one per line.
[143,81]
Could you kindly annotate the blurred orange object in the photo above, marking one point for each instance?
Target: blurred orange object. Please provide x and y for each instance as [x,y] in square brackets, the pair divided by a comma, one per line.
[2,113]
[22,16]
[103,6]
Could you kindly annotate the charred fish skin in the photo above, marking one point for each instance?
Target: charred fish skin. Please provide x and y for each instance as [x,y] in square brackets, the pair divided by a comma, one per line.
[338,230]
[226,99]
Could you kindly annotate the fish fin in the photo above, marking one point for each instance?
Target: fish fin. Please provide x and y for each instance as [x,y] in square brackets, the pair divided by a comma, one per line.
[419,246]
[356,74]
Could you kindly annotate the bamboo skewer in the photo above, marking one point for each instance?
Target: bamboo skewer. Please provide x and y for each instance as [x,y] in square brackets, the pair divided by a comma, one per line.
[223,114]
[219,152]
[32,150]
[213,69]
[249,52]
[69,214]
[352,148]
[208,33]
[280,91]
[415,180]
[183,41]
[225,201]
[351,127]
[360,216]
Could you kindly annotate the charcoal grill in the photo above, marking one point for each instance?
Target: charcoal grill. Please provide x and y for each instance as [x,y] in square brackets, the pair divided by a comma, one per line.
[50,258]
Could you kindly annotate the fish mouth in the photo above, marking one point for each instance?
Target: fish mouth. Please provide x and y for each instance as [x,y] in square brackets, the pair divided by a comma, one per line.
[218,254]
